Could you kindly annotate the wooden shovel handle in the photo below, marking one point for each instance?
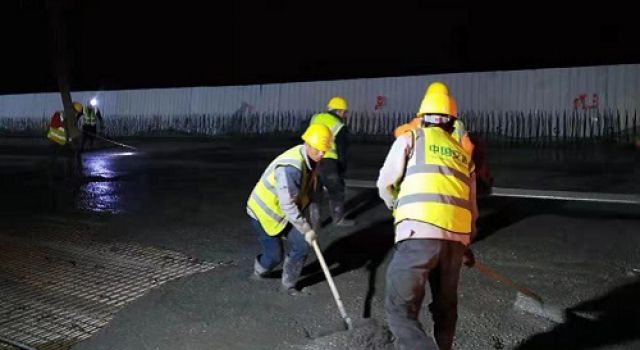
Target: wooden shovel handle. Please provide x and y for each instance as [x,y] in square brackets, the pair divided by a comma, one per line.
[500,278]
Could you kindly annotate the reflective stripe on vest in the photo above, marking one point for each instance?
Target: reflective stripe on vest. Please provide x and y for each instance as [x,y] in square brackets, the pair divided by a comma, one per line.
[335,125]
[263,200]
[89,117]
[57,135]
[436,186]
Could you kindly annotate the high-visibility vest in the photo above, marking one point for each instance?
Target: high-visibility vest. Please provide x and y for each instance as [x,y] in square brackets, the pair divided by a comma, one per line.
[56,131]
[263,200]
[459,132]
[89,117]
[436,186]
[57,135]
[335,125]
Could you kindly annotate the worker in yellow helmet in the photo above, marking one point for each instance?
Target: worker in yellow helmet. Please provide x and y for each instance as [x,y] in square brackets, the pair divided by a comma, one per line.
[459,131]
[276,207]
[334,166]
[427,180]
[475,146]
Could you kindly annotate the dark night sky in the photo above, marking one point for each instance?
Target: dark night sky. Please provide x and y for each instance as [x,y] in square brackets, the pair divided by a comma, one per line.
[139,44]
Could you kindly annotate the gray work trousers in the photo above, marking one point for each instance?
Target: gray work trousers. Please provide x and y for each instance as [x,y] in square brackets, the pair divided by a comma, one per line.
[415,263]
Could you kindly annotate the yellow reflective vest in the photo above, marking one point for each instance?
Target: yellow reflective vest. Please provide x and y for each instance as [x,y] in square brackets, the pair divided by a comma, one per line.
[263,200]
[89,117]
[436,186]
[335,125]
[56,132]
[57,135]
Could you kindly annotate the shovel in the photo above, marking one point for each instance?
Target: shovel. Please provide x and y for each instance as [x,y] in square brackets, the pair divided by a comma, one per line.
[334,291]
[526,300]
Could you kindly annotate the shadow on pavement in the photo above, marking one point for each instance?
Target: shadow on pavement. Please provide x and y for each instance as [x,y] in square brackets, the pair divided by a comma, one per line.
[504,212]
[617,322]
[365,199]
[367,247]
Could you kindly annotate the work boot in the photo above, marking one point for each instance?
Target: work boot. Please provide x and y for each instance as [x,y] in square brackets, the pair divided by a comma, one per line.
[259,272]
[290,274]
[338,215]
[295,292]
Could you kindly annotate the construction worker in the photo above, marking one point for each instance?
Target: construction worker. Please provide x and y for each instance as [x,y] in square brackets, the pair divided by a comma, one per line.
[90,117]
[56,132]
[460,132]
[475,147]
[277,203]
[59,146]
[332,169]
[428,181]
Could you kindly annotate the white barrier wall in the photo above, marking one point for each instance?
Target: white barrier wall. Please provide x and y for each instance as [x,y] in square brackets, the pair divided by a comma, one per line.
[596,88]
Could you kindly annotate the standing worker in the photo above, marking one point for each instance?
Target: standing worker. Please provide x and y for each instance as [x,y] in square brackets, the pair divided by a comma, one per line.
[332,169]
[459,131]
[90,117]
[427,180]
[60,145]
[475,147]
[277,203]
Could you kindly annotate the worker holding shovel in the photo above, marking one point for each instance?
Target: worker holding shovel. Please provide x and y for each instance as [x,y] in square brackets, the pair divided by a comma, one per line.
[276,207]
[428,181]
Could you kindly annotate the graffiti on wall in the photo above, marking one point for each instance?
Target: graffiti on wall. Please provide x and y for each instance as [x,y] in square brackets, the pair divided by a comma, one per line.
[380,102]
[583,102]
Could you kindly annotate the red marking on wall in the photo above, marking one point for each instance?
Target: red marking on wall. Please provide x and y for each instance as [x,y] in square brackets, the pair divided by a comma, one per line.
[583,102]
[380,102]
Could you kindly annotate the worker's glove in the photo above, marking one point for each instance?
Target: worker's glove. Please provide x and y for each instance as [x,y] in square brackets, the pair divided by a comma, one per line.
[468,259]
[310,236]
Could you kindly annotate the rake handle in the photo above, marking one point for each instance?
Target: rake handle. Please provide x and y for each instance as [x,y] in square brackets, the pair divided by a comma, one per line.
[332,286]
[485,270]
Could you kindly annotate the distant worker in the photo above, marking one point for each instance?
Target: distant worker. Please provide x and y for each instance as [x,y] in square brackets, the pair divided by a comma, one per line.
[427,180]
[277,203]
[90,117]
[332,169]
[56,132]
[60,143]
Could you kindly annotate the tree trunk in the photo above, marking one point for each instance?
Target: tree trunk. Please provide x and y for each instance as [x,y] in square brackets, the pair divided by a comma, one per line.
[63,62]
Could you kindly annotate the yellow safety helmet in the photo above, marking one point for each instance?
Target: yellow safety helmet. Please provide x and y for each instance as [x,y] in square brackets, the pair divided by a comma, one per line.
[337,103]
[77,106]
[438,101]
[318,136]
[437,88]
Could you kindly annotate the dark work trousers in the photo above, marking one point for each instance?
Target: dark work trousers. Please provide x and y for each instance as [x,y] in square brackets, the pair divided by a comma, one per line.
[332,177]
[415,263]
[88,132]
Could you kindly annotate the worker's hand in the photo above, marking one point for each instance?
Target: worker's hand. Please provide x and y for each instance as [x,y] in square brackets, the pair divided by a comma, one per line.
[468,259]
[310,236]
